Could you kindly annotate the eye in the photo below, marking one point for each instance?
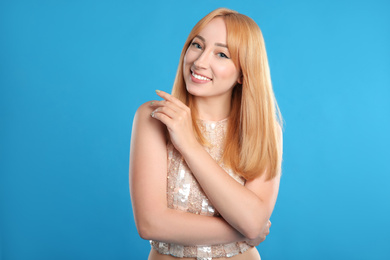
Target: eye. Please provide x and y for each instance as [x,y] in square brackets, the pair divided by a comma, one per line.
[196,45]
[223,55]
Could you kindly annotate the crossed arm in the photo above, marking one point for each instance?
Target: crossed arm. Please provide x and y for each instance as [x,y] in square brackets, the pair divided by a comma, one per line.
[245,209]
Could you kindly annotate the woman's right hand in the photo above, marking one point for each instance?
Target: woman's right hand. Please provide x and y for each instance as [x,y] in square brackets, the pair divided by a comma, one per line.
[261,238]
[176,116]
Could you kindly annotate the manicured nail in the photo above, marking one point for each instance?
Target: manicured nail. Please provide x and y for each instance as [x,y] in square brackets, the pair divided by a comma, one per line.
[151,103]
[158,91]
[152,114]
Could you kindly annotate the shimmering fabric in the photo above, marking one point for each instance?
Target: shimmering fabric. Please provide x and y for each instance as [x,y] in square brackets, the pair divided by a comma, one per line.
[184,193]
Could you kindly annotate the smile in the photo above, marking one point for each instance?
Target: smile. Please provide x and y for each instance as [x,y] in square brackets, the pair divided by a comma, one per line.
[199,76]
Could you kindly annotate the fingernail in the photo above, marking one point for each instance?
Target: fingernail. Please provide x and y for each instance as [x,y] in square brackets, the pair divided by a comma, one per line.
[152,114]
[158,91]
[151,103]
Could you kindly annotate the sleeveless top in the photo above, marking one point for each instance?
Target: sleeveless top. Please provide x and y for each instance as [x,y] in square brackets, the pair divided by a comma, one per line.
[184,193]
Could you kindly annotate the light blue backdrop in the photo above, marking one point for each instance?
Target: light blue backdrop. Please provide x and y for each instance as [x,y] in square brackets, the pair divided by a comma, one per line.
[72,74]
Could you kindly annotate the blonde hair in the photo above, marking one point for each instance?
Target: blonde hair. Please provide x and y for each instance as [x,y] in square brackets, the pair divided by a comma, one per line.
[254,121]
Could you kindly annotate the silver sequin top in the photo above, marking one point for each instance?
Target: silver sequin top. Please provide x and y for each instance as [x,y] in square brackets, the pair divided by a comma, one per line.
[184,193]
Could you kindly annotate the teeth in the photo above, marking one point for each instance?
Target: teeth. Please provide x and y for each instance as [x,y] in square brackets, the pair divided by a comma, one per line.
[198,76]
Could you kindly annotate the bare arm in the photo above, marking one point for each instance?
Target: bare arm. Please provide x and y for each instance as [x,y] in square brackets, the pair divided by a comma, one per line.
[246,208]
[148,173]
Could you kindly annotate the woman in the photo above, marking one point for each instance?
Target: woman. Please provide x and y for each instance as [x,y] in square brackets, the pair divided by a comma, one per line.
[205,161]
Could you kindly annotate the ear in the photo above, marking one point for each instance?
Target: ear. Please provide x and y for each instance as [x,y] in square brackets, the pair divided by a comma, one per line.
[239,80]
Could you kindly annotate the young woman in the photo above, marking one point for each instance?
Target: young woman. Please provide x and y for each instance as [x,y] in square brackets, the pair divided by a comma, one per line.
[205,161]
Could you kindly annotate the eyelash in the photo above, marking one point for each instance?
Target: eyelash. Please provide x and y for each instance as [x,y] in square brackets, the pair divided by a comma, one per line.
[223,55]
[196,45]
[220,54]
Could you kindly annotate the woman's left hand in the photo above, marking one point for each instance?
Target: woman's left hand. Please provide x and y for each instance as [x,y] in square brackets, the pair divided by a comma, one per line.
[177,117]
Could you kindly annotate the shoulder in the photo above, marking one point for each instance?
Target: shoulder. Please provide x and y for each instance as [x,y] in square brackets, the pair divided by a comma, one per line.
[144,124]
[143,110]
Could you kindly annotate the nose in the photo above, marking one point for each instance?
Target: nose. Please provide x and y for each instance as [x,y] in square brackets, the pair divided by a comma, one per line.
[202,60]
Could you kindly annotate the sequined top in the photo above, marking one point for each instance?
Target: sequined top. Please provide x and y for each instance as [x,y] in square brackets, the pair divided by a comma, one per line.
[184,193]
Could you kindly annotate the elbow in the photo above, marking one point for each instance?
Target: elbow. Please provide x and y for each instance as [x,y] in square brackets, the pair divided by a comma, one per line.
[255,231]
[145,228]
[144,232]
[151,223]
[252,233]
[255,227]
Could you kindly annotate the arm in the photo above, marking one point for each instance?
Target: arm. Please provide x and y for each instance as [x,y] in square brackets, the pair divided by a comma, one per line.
[246,208]
[148,173]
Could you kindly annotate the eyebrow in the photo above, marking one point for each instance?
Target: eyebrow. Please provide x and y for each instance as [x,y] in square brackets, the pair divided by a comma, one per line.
[216,44]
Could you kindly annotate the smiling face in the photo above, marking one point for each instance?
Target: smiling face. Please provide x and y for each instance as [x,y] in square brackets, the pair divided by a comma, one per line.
[207,68]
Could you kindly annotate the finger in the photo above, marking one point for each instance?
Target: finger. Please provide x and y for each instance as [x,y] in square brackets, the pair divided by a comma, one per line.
[171,110]
[166,111]
[164,103]
[182,111]
[170,98]
[166,120]
[268,227]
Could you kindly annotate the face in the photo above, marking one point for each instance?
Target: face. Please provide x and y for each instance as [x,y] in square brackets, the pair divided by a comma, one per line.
[207,68]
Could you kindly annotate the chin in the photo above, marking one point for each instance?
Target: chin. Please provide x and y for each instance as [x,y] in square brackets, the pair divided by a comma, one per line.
[195,89]
[192,91]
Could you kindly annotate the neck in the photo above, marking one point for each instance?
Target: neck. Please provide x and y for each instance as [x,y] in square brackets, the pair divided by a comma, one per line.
[212,110]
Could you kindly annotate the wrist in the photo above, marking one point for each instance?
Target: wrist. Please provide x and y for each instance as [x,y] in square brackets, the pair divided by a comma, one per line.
[191,150]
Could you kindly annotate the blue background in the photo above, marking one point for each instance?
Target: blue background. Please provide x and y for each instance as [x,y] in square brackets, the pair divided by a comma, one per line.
[72,74]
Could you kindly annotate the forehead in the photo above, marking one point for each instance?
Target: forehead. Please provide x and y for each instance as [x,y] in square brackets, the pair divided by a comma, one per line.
[214,31]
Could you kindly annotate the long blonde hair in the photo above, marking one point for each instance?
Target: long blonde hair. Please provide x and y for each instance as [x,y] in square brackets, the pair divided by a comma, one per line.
[255,121]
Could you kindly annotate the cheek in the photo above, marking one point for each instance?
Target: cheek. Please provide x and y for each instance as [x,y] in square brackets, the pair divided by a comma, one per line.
[186,64]
[189,57]
[227,72]
[185,60]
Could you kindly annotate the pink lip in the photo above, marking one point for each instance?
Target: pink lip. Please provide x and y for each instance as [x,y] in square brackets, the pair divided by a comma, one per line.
[195,80]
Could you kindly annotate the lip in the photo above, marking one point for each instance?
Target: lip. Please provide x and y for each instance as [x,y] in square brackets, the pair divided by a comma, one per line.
[195,80]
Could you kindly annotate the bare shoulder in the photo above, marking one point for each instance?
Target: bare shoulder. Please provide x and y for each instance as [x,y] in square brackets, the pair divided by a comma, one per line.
[143,119]
[147,132]
[143,110]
